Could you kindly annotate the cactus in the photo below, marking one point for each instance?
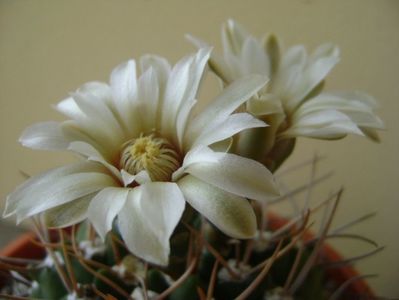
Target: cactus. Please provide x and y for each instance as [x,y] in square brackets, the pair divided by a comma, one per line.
[284,262]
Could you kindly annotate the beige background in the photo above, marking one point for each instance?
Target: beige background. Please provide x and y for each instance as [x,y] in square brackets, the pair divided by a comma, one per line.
[48,48]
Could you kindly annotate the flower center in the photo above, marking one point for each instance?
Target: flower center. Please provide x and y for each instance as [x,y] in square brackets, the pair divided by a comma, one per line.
[154,154]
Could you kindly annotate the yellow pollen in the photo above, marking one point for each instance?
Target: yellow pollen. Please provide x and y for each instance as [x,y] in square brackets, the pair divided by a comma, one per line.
[151,153]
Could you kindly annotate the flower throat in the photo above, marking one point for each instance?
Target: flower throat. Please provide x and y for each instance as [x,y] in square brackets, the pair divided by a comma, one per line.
[154,154]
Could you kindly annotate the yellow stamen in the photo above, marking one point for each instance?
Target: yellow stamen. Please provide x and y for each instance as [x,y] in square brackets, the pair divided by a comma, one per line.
[154,154]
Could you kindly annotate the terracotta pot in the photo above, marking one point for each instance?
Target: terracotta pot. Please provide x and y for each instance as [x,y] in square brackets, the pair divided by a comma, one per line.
[336,275]
[24,247]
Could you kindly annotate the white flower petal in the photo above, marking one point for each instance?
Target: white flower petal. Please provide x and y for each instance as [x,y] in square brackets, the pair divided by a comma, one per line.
[358,107]
[294,56]
[221,107]
[309,75]
[93,154]
[46,178]
[182,87]
[69,213]
[328,132]
[325,124]
[235,66]
[45,136]
[148,219]
[216,63]
[69,108]
[182,119]
[235,123]
[141,177]
[103,94]
[161,67]
[55,188]
[100,115]
[124,90]
[237,175]
[231,214]
[371,134]
[97,90]
[265,105]
[233,37]
[198,154]
[362,97]
[93,125]
[222,146]
[104,208]
[322,61]
[74,132]
[254,58]
[127,178]
[148,92]
[123,83]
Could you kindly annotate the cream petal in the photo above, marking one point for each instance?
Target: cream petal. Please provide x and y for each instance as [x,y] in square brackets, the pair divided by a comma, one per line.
[148,92]
[127,178]
[100,115]
[103,94]
[233,37]
[91,153]
[69,108]
[44,136]
[44,179]
[236,67]
[182,87]
[322,61]
[104,207]
[87,129]
[93,122]
[124,91]
[98,90]
[272,46]
[141,177]
[235,123]
[74,132]
[42,193]
[362,97]
[254,58]
[237,175]
[317,67]
[198,154]
[328,132]
[319,119]
[295,55]
[231,214]
[222,146]
[69,213]
[221,107]
[265,105]
[182,119]
[358,107]
[124,84]
[161,67]
[371,134]
[216,63]
[64,190]
[326,124]
[148,219]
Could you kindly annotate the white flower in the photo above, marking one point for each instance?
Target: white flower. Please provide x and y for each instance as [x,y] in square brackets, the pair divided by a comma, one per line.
[293,96]
[145,155]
